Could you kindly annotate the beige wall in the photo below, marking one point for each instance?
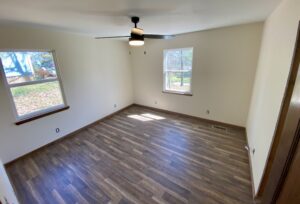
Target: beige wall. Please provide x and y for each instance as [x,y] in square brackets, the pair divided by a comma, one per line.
[96,75]
[6,190]
[224,66]
[275,59]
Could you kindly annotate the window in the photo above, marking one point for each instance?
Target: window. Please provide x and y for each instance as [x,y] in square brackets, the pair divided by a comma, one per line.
[32,80]
[178,70]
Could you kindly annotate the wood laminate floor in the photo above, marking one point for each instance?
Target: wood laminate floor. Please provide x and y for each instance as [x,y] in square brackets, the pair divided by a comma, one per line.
[138,156]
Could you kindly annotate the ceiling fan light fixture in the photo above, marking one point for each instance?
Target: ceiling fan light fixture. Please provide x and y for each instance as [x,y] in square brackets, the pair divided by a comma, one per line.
[136,42]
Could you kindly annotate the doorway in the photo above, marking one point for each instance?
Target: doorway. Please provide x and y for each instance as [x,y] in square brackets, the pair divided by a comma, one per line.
[280,183]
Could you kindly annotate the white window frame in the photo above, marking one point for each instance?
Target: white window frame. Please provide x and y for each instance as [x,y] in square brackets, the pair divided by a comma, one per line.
[9,86]
[189,93]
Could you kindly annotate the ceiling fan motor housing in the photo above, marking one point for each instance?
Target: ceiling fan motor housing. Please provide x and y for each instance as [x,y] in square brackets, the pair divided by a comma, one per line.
[137,31]
[136,37]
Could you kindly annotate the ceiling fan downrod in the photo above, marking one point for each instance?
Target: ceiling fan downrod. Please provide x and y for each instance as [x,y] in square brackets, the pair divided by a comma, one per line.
[135,20]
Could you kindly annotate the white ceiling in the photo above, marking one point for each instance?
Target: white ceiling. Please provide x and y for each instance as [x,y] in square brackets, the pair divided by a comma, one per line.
[111,17]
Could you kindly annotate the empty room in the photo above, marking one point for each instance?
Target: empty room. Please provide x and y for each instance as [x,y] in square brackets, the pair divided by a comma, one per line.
[149,102]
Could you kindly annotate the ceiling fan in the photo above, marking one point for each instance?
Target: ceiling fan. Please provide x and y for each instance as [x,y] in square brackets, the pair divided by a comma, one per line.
[137,35]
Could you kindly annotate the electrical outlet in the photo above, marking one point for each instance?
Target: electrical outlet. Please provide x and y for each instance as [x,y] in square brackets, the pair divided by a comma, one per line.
[57,130]
[115,105]
[207,112]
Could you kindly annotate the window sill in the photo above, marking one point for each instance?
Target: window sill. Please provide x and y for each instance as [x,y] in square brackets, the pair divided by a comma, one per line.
[41,115]
[177,93]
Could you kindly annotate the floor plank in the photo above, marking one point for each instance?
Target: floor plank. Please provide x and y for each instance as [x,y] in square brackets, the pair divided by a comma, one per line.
[139,155]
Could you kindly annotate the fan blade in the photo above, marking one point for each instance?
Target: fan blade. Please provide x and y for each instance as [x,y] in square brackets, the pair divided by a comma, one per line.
[165,37]
[111,37]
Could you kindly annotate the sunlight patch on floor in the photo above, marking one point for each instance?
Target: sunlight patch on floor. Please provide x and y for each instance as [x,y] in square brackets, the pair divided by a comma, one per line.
[152,116]
[146,117]
[139,117]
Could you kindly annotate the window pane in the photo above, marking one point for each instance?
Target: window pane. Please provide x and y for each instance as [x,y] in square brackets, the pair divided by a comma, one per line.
[187,59]
[32,98]
[173,58]
[26,66]
[178,81]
